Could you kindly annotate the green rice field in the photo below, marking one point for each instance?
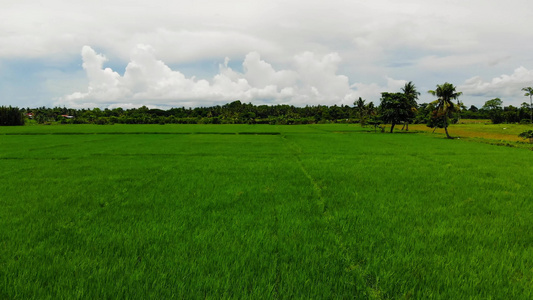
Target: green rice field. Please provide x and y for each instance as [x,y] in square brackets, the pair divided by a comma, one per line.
[261,212]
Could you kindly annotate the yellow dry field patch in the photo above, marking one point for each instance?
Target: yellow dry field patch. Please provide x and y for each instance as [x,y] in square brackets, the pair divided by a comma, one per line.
[489,132]
[475,121]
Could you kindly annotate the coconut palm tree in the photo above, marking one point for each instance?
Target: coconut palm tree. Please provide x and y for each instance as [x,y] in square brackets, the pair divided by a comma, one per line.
[361,110]
[444,106]
[529,92]
[411,95]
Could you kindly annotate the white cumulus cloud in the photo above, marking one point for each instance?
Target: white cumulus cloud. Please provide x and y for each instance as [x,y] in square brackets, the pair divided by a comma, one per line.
[427,42]
[502,86]
[311,80]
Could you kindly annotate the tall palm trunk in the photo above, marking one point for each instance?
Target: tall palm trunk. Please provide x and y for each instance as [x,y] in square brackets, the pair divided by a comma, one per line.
[446,128]
[447,135]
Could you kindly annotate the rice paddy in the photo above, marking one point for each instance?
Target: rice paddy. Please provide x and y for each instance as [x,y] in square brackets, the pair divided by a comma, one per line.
[259,211]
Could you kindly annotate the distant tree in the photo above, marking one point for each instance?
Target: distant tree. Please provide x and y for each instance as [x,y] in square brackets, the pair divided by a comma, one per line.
[444,106]
[524,113]
[371,110]
[335,113]
[473,109]
[529,92]
[461,107]
[493,104]
[375,122]
[11,116]
[248,118]
[422,114]
[511,114]
[471,113]
[394,108]
[411,95]
[362,112]
[434,120]
[494,109]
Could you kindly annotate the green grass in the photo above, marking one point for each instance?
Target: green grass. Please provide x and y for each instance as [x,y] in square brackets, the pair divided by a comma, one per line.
[212,211]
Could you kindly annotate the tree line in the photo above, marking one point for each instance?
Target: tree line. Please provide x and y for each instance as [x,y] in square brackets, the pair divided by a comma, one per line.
[11,116]
[395,108]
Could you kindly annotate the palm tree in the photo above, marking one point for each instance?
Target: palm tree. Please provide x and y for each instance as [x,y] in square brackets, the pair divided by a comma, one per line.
[529,92]
[394,108]
[361,110]
[411,95]
[444,106]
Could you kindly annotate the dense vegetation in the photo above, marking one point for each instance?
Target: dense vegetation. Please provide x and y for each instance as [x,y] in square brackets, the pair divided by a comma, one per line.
[234,211]
[394,108]
[247,113]
[11,116]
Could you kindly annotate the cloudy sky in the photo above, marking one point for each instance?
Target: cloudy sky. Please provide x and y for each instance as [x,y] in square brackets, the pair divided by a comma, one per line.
[188,53]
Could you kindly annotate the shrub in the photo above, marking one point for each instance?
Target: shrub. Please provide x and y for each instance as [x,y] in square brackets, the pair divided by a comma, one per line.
[11,116]
[497,118]
[101,121]
[527,135]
